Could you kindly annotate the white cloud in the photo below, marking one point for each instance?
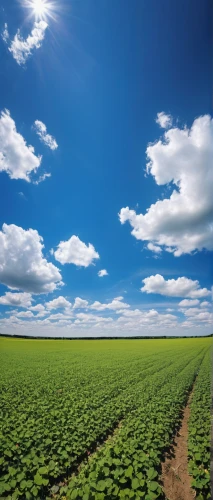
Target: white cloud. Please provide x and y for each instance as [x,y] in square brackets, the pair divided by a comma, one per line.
[205,316]
[38,308]
[196,315]
[74,251]
[164,120]
[182,287]
[60,316]
[154,248]
[102,273]
[22,49]
[60,302]
[179,224]
[192,311]
[16,299]
[116,304]
[47,139]
[90,318]
[145,317]
[5,34]
[80,303]
[16,157]
[22,265]
[189,303]
[128,322]
[205,304]
[42,178]
[25,314]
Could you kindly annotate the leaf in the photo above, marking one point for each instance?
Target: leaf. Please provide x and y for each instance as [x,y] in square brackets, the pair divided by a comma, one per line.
[153,485]
[129,471]
[122,480]
[135,483]
[5,487]
[13,483]
[23,484]
[43,471]
[101,485]
[20,477]
[35,491]
[38,479]
[106,471]
[74,494]
[150,496]
[152,473]
[51,465]
[8,453]
[12,471]
[45,481]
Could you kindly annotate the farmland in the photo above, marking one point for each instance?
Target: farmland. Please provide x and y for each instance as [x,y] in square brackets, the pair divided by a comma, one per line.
[92,419]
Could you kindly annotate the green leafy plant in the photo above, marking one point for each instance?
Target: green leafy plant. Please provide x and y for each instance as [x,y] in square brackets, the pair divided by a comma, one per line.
[91,420]
[199,432]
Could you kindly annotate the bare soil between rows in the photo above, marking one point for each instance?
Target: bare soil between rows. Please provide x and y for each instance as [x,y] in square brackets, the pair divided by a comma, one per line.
[175,477]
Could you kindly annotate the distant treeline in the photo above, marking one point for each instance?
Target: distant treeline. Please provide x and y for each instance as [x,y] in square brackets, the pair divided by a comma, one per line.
[136,337]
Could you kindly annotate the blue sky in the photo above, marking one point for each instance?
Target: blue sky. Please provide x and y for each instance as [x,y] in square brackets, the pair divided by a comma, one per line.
[125,91]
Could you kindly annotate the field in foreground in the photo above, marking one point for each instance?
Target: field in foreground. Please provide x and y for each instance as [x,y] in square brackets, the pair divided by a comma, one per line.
[93,419]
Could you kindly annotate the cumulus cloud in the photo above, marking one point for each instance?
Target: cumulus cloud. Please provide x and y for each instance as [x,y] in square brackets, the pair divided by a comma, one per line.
[182,223]
[16,157]
[25,314]
[128,321]
[91,318]
[164,120]
[60,316]
[196,315]
[146,317]
[80,303]
[5,34]
[16,299]
[38,308]
[22,49]
[102,272]
[47,139]
[116,304]
[189,303]
[192,311]
[74,251]
[22,264]
[60,302]
[205,304]
[182,287]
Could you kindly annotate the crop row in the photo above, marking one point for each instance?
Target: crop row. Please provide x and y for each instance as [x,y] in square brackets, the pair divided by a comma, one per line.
[58,405]
[128,466]
[38,446]
[199,432]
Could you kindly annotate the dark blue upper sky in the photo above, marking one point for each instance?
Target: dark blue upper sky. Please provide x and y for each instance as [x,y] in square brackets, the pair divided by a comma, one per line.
[102,73]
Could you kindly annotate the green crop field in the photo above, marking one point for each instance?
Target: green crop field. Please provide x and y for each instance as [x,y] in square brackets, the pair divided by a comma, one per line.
[92,419]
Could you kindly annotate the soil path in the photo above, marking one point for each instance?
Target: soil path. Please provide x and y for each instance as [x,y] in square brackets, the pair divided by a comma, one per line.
[175,477]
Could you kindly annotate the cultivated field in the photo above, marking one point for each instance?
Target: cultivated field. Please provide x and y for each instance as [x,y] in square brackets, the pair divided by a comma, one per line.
[93,419]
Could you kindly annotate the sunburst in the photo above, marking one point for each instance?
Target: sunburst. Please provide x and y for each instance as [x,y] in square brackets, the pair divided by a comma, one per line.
[41,9]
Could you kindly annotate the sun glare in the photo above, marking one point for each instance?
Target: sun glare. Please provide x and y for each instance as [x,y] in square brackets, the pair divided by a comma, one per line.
[40,9]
